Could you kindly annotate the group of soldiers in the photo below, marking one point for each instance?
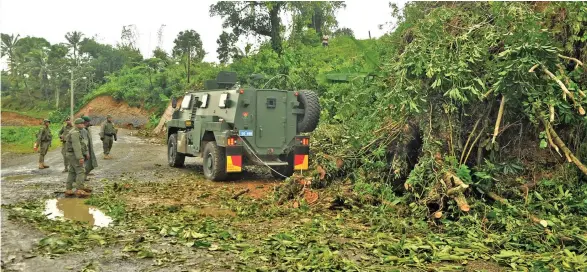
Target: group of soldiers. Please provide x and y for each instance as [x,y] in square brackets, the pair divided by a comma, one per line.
[79,158]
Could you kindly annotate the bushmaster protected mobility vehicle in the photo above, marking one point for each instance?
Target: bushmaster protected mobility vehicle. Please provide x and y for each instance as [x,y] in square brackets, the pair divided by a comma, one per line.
[229,126]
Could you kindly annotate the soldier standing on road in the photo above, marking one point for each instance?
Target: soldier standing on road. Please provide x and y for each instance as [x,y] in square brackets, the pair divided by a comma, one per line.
[92,162]
[62,134]
[76,149]
[43,142]
[107,135]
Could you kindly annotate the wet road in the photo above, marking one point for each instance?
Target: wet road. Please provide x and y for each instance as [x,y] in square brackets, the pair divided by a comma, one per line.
[21,179]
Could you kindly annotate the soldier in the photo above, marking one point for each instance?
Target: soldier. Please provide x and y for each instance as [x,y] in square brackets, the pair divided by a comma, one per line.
[43,142]
[76,149]
[107,134]
[92,162]
[62,134]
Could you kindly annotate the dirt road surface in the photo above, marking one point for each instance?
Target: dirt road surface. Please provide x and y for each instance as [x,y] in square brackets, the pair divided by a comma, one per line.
[133,158]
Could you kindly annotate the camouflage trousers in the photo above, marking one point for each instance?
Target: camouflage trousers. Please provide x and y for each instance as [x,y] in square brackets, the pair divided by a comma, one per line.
[43,151]
[77,173]
[64,153]
[107,144]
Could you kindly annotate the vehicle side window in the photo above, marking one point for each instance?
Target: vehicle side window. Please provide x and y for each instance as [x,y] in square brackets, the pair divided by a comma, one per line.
[185,104]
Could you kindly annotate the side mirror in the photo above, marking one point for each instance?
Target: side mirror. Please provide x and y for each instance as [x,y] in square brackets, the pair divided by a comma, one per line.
[174,102]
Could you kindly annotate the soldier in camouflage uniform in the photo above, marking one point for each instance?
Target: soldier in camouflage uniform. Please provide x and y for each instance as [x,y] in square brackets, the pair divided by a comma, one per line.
[62,134]
[92,162]
[76,149]
[107,135]
[43,143]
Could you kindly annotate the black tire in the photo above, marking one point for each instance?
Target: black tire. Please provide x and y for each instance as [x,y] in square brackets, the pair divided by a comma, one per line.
[174,159]
[214,162]
[311,104]
[286,170]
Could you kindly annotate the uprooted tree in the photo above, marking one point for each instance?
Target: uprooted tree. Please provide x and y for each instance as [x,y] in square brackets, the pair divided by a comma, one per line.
[471,93]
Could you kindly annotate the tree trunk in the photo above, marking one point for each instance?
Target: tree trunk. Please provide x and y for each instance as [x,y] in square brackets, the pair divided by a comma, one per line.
[275,27]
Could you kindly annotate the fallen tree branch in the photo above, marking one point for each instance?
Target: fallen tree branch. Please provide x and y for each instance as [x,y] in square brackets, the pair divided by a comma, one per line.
[551,108]
[498,198]
[565,90]
[499,116]
[549,137]
[468,140]
[456,190]
[566,150]
[462,203]
[578,62]
[533,68]
[241,193]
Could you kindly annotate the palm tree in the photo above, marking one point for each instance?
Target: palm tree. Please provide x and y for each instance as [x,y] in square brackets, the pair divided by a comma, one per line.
[37,63]
[74,38]
[9,42]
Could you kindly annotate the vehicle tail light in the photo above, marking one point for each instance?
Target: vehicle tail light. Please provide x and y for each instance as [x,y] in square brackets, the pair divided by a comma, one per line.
[305,141]
[232,141]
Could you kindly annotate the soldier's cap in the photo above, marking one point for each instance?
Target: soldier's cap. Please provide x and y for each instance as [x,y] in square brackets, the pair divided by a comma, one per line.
[46,121]
[87,118]
[109,116]
[79,121]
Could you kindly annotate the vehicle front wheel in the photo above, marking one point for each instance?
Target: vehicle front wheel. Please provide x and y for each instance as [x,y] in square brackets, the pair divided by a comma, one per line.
[174,158]
[214,162]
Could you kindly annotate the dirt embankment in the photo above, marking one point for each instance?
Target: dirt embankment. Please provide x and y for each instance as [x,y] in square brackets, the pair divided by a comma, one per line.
[123,115]
[16,119]
[165,117]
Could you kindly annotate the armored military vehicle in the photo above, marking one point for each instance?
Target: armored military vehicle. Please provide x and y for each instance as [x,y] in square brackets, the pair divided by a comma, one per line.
[230,126]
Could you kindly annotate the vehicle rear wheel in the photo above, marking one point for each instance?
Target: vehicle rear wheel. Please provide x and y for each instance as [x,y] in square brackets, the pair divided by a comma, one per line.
[214,162]
[174,158]
[311,104]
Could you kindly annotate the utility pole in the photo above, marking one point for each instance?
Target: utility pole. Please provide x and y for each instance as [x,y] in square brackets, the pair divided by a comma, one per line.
[189,56]
[71,117]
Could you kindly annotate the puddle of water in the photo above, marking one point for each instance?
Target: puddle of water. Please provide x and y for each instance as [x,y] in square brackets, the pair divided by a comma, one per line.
[75,209]
[17,177]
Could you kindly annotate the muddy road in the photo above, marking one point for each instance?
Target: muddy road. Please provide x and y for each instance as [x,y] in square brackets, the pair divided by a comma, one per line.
[133,158]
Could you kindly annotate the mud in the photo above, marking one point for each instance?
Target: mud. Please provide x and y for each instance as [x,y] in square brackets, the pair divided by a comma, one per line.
[15,119]
[123,114]
[134,159]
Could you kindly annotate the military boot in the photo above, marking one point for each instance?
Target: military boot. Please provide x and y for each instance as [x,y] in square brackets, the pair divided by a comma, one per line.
[46,166]
[69,193]
[81,193]
[41,166]
[86,189]
[65,170]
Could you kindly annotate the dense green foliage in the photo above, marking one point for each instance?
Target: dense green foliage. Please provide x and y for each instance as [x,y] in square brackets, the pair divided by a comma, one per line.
[455,119]
[21,139]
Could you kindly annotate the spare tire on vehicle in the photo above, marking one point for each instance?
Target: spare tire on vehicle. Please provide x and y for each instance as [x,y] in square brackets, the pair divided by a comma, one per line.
[309,101]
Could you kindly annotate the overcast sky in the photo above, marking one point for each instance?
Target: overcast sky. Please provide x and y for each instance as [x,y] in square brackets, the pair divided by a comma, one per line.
[105,18]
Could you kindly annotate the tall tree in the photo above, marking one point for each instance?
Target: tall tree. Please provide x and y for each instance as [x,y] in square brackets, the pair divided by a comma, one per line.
[189,45]
[58,63]
[318,15]
[38,65]
[255,17]
[226,49]
[74,38]
[9,42]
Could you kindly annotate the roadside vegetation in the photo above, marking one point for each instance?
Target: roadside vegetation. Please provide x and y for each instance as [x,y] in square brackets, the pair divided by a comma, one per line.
[457,138]
[20,139]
